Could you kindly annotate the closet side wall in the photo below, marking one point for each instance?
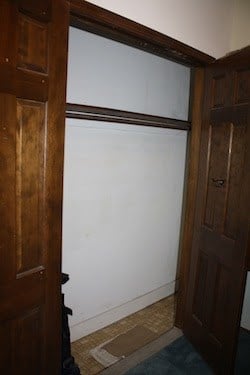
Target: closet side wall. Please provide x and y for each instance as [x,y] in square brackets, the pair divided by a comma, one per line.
[245,317]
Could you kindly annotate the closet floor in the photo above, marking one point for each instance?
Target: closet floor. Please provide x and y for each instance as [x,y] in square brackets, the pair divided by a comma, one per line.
[158,317]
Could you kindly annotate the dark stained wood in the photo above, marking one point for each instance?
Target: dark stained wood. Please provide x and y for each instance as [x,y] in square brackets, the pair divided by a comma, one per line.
[97,20]
[32,110]
[190,193]
[30,138]
[248,256]
[79,111]
[40,10]
[32,44]
[234,59]
[53,177]
[221,226]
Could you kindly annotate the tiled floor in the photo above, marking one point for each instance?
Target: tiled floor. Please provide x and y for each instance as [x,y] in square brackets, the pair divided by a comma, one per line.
[158,317]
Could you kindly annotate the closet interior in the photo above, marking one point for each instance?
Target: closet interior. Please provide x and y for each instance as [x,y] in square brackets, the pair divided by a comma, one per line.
[127,125]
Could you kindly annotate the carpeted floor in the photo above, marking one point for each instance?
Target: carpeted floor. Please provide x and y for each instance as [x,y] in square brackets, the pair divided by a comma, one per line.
[176,359]
[180,358]
[158,317]
[242,366]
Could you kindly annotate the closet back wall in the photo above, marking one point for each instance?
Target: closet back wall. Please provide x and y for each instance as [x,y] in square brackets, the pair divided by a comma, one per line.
[123,184]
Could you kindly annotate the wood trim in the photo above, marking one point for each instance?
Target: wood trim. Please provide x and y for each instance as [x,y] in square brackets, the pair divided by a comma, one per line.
[190,195]
[229,114]
[86,112]
[53,180]
[233,59]
[92,18]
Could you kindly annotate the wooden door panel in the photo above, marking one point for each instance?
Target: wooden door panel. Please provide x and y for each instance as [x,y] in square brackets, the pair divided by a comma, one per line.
[221,301]
[220,240]
[219,142]
[30,150]
[221,89]
[238,150]
[22,338]
[32,44]
[7,191]
[32,111]
[228,145]
[242,86]
[201,279]
[29,329]
[218,97]
[5,341]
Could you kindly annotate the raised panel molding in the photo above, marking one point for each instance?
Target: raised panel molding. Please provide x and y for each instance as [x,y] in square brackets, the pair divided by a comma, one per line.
[5,342]
[218,94]
[238,148]
[29,342]
[32,45]
[201,278]
[220,140]
[30,143]
[220,302]
[242,86]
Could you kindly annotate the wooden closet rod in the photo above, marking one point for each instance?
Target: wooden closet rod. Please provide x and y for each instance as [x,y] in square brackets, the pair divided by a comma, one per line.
[86,112]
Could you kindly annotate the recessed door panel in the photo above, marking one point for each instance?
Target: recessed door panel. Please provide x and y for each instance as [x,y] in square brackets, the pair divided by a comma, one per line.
[217,181]
[30,156]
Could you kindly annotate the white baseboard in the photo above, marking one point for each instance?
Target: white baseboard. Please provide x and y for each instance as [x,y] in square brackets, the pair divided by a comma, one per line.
[108,317]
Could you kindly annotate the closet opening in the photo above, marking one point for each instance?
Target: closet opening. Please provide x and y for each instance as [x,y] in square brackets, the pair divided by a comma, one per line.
[127,123]
[125,156]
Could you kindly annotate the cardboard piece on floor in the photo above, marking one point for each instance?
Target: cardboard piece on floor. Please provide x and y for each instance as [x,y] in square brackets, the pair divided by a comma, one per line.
[127,343]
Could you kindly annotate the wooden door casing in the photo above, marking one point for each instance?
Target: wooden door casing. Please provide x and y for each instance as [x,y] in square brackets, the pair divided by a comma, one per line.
[221,229]
[33,55]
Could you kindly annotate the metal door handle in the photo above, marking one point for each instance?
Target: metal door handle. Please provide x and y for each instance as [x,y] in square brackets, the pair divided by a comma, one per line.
[218,182]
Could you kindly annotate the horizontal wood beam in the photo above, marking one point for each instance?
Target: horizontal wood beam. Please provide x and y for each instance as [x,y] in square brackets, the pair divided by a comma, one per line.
[89,17]
[86,112]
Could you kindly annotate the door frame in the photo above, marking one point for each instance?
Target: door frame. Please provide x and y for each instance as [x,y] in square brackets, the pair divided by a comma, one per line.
[91,18]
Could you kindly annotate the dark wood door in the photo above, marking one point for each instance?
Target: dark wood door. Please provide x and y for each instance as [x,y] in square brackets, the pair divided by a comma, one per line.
[33,50]
[221,229]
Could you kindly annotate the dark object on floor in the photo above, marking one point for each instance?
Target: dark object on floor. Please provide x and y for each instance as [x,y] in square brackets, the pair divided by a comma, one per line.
[69,367]
[181,358]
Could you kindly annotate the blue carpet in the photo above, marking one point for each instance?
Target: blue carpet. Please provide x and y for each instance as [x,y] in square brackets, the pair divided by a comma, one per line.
[177,358]
[242,364]
[180,358]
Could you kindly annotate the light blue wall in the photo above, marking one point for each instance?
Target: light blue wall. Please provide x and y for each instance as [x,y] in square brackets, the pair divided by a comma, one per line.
[245,318]
[105,73]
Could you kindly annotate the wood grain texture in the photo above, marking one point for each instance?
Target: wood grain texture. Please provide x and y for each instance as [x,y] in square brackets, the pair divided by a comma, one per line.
[40,10]
[32,110]
[221,226]
[87,112]
[190,192]
[53,180]
[32,44]
[30,139]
